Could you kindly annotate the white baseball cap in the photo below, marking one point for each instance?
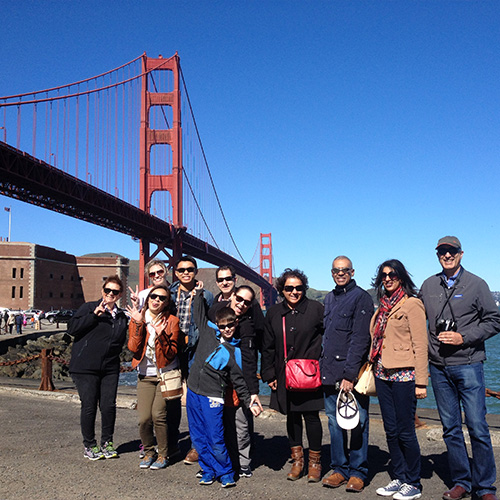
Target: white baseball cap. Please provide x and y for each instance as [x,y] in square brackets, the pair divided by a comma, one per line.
[347,410]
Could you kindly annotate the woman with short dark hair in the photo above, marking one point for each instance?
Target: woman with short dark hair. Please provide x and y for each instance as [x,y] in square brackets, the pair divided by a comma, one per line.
[399,354]
[99,329]
[300,320]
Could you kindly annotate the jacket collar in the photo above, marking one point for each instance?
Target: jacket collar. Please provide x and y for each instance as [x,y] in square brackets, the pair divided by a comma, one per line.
[338,290]
[301,306]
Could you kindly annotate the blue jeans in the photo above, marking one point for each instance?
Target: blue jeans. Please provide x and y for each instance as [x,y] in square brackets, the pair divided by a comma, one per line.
[464,384]
[348,460]
[398,404]
[206,428]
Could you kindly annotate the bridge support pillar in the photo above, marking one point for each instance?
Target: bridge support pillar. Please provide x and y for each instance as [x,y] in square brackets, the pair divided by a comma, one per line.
[268,296]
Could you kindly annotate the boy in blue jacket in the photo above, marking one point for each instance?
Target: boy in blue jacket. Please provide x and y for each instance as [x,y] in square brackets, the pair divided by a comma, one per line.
[216,363]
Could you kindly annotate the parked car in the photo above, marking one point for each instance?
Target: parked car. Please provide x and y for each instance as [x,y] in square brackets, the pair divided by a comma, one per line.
[62,316]
[29,313]
[49,315]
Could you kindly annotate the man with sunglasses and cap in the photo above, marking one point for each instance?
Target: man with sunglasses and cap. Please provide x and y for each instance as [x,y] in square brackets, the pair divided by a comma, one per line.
[346,341]
[461,315]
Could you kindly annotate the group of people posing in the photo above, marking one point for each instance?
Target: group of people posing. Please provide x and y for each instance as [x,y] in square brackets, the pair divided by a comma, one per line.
[215,341]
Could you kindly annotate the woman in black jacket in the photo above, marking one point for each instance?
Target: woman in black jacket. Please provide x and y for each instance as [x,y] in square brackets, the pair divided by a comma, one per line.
[99,329]
[303,322]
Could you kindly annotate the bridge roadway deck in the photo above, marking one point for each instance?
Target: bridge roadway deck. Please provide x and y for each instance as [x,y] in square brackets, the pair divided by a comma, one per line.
[42,455]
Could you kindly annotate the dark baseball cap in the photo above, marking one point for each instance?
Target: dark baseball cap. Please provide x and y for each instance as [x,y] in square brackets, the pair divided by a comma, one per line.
[452,241]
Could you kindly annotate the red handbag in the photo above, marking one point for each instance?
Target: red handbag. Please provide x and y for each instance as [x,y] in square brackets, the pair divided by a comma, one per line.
[300,374]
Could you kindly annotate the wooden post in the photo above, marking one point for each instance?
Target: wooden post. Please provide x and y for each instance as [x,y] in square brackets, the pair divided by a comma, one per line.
[46,382]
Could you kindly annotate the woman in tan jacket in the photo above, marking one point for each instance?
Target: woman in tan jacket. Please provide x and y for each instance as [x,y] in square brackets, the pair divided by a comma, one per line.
[399,354]
[154,338]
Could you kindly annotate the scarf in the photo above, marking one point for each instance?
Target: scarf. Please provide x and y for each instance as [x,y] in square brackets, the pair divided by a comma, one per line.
[387,303]
[150,321]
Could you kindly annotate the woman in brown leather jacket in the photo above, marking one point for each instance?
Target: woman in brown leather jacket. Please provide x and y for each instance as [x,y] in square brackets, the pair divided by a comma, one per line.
[399,354]
[154,338]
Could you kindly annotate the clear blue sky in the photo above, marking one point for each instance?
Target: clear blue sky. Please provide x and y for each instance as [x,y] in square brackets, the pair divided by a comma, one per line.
[365,128]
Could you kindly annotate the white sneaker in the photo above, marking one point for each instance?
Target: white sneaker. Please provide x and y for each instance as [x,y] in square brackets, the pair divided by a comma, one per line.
[391,489]
[407,492]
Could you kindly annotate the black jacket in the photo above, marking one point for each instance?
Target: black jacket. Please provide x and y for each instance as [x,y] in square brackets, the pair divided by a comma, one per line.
[98,340]
[247,335]
[214,364]
[346,342]
[304,329]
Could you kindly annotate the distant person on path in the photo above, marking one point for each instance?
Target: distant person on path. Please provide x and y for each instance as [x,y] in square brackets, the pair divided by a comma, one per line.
[19,323]
[11,322]
[182,297]
[461,315]
[346,342]
[301,320]
[6,320]
[399,357]
[155,339]
[156,271]
[99,329]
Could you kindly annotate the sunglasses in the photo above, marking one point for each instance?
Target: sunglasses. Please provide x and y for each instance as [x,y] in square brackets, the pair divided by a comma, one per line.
[344,270]
[290,288]
[161,298]
[227,326]
[182,270]
[392,275]
[152,274]
[226,278]
[239,298]
[107,291]
[451,250]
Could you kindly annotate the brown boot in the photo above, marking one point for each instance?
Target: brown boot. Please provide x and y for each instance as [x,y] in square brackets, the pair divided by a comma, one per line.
[314,473]
[297,469]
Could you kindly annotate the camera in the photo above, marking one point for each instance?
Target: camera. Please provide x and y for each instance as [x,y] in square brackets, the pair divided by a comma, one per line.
[445,325]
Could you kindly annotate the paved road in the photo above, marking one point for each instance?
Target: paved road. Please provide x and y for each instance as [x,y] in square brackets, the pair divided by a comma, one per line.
[41,455]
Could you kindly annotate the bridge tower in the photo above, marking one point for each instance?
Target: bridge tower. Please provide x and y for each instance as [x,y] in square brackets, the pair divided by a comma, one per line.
[267,297]
[173,137]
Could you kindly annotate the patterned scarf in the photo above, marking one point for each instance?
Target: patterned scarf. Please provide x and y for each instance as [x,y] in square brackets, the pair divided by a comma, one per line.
[387,303]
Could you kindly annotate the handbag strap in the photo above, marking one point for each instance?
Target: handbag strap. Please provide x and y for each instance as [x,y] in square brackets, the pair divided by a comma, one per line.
[284,340]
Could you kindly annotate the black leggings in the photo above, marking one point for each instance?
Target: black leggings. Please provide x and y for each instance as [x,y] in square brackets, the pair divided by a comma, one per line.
[314,430]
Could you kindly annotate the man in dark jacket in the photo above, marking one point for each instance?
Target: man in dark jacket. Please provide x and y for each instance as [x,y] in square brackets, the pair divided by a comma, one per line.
[346,341]
[461,315]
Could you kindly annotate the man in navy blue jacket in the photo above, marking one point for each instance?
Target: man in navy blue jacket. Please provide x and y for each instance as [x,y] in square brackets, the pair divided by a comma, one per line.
[346,342]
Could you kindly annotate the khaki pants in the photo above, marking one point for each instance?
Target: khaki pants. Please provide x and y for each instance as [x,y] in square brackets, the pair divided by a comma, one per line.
[152,410]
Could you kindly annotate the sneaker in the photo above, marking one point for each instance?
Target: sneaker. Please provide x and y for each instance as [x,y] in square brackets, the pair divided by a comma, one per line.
[147,462]
[407,492]
[391,489]
[227,481]
[199,474]
[108,450]
[160,463]
[93,453]
[245,472]
[206,479]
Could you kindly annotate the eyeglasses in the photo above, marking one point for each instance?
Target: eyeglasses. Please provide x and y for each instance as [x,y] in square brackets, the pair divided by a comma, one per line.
[344,270]
[161,298]
[290,288]
[152,274]
[227,326]
[451,250]
[239,298]
[182,270]
[226,278]
[392,275]
[107,291]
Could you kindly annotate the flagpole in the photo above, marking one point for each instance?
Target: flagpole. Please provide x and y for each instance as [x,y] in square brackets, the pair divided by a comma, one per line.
[10,221]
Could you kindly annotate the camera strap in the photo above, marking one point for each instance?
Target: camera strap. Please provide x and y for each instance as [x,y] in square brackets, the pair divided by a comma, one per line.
[449,294]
